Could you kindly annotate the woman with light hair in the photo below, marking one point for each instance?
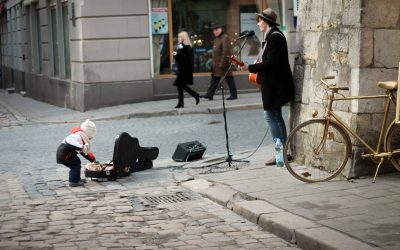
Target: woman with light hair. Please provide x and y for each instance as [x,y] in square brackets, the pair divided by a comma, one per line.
[184,59]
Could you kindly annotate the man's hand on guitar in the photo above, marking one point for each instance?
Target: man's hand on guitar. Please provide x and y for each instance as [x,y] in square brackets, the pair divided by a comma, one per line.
[245,67]
[242,65]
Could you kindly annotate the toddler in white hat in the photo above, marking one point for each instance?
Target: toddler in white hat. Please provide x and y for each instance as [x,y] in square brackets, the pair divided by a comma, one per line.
[79,141]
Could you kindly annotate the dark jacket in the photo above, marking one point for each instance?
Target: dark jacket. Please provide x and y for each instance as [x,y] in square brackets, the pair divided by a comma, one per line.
[67,153]
[184,61]
[278,86]
[220,54]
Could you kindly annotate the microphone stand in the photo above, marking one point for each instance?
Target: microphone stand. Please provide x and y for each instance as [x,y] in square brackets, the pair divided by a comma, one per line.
[229,158]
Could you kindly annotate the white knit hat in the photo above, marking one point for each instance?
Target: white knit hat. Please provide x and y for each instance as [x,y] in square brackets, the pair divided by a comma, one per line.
[89,128]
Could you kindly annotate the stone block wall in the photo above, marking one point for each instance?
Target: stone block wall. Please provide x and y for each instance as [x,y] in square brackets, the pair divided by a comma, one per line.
[110,52]
[357,41]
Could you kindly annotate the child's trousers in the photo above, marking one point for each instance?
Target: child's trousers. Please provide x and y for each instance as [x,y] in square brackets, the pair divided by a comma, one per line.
[74,165]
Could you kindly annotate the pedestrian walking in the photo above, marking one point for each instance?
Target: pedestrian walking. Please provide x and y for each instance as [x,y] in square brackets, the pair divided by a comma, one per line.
[184,59]
[220,56]
[277,80]
[79,141]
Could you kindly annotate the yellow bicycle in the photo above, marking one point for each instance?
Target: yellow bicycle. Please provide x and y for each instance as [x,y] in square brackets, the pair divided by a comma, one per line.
[318,149]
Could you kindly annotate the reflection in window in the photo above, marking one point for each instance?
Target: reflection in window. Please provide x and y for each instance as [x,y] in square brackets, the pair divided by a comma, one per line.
[160,33]
[194,16]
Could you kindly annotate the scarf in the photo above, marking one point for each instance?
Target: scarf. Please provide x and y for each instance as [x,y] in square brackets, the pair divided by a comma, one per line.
[85,138]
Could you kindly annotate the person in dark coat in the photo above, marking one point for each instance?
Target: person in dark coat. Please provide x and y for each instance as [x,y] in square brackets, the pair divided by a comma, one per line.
[184,59]
[277,80]
[220,55]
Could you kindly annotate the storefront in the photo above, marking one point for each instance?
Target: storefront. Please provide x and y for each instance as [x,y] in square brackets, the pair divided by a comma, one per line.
[169,17]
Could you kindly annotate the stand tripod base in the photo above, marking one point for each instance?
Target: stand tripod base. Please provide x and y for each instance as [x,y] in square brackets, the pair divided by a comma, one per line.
[223,166]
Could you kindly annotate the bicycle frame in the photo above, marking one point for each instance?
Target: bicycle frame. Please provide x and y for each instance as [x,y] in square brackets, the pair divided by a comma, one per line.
[374,153]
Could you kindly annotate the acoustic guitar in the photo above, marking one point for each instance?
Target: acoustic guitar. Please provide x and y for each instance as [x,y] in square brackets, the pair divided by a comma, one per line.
[254,78]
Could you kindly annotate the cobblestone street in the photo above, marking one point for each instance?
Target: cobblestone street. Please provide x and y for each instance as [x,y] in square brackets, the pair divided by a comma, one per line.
[239,209]
[101,216]
[39,211]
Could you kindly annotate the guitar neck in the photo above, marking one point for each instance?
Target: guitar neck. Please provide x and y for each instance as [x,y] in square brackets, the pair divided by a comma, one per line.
[236,61]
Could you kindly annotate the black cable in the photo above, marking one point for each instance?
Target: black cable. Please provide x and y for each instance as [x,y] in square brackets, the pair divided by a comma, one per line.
[257,146]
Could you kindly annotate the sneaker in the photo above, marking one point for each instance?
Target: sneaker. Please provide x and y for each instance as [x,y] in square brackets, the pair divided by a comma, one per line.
[231,98]
[271,162]
[76,184]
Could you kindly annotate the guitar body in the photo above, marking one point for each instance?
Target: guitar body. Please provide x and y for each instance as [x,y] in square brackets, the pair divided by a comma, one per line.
[256,79]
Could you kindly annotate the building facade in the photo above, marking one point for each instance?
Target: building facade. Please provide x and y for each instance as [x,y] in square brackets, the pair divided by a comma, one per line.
[86,54]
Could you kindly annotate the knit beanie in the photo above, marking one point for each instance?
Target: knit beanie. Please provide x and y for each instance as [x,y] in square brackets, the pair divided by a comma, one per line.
[89,128]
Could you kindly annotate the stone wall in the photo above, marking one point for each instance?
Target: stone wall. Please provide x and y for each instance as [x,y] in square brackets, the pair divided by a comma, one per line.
[110,52]
[357,41]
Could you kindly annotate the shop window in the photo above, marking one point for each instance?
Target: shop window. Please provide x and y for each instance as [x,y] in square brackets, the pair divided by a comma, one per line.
[169,17]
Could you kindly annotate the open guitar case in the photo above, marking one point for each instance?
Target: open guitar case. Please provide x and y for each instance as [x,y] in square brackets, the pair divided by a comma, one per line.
[126,153]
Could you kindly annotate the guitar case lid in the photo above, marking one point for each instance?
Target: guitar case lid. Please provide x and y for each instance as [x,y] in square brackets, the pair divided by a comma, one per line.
[126,152]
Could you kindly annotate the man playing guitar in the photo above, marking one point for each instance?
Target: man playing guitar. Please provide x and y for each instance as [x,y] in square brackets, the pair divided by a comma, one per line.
[277,87]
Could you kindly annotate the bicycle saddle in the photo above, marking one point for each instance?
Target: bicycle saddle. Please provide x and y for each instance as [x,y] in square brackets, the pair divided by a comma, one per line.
[390,85]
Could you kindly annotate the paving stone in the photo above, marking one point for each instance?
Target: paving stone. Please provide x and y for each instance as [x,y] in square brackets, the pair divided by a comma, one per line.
[285,224]
[219,194]
[324,238]
[253,209]
[129,219]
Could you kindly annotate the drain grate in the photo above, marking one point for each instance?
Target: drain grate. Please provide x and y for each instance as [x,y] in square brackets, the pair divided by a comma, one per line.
[167,199]
[152,201]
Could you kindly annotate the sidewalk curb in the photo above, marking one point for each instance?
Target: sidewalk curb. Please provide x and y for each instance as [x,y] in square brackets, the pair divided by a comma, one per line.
[18,115]
[290,227]
[177,112]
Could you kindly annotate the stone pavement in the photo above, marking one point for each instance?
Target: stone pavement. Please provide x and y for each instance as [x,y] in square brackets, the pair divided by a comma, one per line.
[113,215]
[338,214]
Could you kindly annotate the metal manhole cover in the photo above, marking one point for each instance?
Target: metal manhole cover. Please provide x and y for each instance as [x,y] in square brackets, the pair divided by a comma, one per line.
[151,201]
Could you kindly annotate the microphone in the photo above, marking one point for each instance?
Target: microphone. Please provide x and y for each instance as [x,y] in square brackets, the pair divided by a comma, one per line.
[249,33]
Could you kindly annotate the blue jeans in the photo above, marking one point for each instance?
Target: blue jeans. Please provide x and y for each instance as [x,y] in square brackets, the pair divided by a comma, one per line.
[276,124]
[74,169]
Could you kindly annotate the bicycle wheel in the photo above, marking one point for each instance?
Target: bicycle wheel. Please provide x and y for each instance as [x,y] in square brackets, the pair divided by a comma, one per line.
[307,164]
[392,144]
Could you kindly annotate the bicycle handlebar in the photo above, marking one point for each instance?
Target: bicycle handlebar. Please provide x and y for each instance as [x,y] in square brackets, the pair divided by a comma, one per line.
[331,86]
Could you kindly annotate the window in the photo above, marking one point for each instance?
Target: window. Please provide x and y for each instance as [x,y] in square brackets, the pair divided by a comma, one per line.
[169,17]
[67,57]
[59,38]
[36,47]
[54,41]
